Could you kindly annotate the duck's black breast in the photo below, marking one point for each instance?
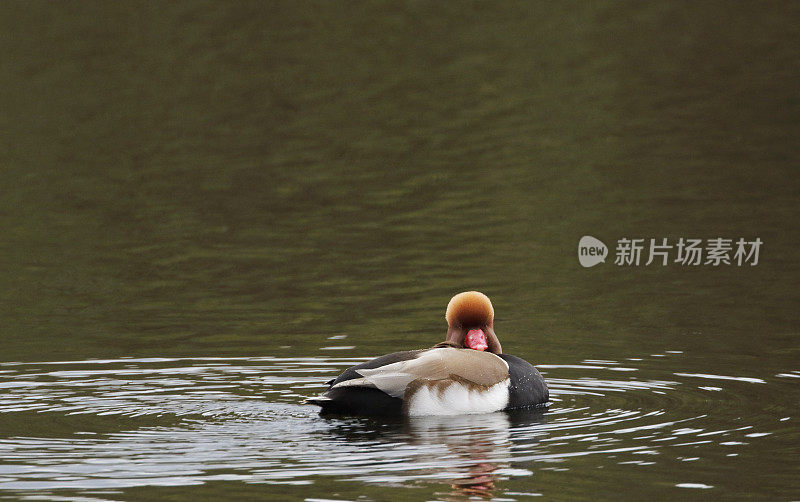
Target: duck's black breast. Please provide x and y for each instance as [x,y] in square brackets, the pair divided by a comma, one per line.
[527,386]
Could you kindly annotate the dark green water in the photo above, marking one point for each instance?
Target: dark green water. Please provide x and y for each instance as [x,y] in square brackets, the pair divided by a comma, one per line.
[209,209]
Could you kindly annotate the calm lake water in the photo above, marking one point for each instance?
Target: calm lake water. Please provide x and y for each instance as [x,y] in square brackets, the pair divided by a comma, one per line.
[210,209]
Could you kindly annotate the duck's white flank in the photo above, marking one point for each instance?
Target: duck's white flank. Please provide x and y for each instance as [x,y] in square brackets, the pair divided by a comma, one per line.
[457,399]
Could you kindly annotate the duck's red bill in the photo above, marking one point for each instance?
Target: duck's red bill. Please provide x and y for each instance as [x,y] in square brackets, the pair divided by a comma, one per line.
[476,340]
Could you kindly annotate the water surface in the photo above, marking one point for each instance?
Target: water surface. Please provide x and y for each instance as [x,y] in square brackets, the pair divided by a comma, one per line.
[107,428]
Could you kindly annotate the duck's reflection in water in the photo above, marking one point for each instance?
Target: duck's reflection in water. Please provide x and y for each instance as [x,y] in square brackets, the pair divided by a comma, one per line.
[479,447]
[470,453]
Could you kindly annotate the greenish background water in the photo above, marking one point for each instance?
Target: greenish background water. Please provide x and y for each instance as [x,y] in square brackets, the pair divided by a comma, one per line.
[247,180]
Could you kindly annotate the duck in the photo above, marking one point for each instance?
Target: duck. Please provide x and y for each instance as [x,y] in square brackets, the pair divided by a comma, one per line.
[467,373]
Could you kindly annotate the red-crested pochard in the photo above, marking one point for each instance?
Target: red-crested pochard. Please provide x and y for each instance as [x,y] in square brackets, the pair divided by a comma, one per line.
[466,373]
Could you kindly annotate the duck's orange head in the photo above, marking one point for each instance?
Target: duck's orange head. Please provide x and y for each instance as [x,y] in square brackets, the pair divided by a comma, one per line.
[470,322]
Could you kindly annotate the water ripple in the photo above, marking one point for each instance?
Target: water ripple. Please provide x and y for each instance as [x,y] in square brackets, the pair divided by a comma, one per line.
[121,423]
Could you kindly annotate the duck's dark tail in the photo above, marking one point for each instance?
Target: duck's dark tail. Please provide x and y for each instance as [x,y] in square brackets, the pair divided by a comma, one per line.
[318,400]
[357,401]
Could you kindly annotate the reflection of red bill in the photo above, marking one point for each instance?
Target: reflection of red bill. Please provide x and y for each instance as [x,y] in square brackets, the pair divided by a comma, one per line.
[476,340]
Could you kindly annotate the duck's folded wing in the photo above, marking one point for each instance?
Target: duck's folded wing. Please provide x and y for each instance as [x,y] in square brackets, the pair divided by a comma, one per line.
[482,369]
